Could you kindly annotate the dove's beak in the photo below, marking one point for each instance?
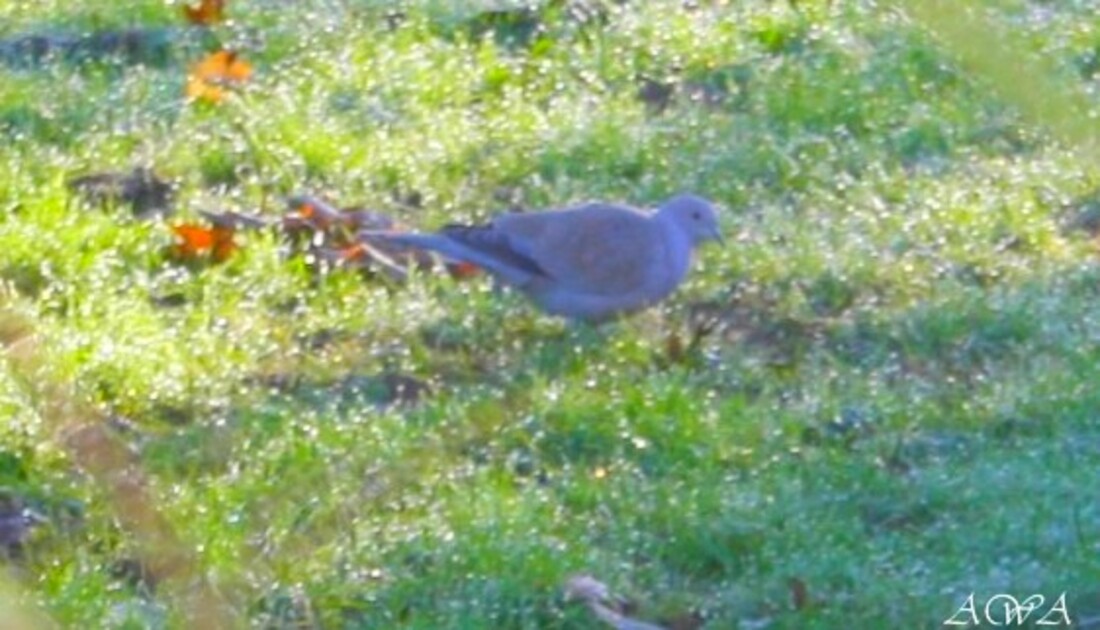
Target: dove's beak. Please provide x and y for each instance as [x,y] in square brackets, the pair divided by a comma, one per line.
[717,235]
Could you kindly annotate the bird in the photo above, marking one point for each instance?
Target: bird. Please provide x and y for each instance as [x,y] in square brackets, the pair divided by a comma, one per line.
[590,262]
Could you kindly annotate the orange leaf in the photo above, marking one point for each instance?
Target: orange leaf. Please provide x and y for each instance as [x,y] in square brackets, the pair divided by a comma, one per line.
[194,238]
[354,252]
[211,75]
[222,65]
[223,249]
[460,270]
[199,90]
[208,12]
[319,215]
[196,241]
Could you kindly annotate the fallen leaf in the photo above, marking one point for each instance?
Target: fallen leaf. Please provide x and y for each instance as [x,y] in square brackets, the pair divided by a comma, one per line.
[16,523]
[209,78]
[350,254]
[412,199]
[362,257]
[710,89]
[197,242]
[460,270]
[656,94]
[208,12]
[407,257]
[404,389]
[169,300]
[313,213]
[348,238]
[308,212]
[141,189]
[394,19]
[674,347]
[321,339]
[331,236]
[800,595]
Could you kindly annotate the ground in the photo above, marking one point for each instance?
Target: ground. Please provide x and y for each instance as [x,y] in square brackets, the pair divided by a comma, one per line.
[878,398]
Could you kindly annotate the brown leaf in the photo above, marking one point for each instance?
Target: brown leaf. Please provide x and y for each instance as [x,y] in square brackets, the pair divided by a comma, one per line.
[404,389]
[674,347]
[657,95]
[141,189]
[362,257]
[800,595]
[408,257]
[206,13]
[310,214]
[343,237]
[16,523]
[460,270]
[174,299]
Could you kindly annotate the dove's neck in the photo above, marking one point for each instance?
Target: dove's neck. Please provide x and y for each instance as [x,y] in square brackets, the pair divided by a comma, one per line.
[678,248]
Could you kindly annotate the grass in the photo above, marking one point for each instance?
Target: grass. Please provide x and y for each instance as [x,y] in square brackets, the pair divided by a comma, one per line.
[897,408]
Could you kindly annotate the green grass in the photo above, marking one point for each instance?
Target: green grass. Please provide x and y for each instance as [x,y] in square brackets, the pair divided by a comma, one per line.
[898,406]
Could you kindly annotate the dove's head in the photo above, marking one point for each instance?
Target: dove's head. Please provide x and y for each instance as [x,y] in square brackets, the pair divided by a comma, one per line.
[693,215]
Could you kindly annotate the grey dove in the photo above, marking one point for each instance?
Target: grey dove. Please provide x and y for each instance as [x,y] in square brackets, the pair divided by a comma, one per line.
[592,262]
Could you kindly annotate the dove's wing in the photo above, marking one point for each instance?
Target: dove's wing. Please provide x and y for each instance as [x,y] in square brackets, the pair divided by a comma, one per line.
[592,249]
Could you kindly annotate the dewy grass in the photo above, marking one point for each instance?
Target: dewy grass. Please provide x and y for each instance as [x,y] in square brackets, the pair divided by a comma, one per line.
[894,409]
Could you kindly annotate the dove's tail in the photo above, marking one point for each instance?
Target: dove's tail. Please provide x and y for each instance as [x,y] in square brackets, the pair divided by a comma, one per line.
[505,264]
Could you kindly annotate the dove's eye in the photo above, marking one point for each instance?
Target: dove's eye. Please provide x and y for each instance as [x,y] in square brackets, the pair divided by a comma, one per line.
[696,215]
